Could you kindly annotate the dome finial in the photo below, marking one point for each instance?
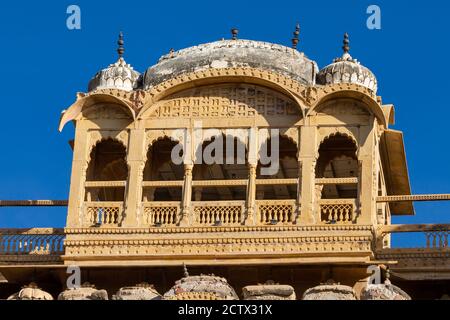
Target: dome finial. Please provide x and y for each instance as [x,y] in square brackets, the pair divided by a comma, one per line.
[120,49]
[346,42]
[295,38]
[234,33]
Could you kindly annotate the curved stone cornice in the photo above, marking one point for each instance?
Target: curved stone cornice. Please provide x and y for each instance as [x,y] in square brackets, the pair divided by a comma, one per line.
[84,101]
[308,99]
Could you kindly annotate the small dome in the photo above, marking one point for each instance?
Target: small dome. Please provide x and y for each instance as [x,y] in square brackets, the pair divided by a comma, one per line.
[330,291]
[119,75]
[208,287]
[87,291]
[31,292]
[347,70]
[141,291]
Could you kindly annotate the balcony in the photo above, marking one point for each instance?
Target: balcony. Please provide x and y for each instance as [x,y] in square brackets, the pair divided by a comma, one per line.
[31,246]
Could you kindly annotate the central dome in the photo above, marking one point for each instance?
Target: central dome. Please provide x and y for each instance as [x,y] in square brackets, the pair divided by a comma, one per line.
[233,53]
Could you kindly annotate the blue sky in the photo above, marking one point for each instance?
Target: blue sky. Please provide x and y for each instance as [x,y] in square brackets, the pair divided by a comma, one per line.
[45,64]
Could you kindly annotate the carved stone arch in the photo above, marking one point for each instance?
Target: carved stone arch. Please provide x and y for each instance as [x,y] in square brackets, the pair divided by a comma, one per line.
[233,101]
[350,91]
[224,133]
[97,136]
[293,134]
[154,135]
[325,133]
[88,101]
[285,85]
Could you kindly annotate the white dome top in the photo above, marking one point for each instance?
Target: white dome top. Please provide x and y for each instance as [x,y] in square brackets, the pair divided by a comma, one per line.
[119,75]
[347,70]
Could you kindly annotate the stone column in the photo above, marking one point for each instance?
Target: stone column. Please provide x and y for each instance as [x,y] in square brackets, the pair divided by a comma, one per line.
[75,214]
[136,161]
[307,159]
[250,205]
[186,212]
[251,195]
[368,188]
[299,193]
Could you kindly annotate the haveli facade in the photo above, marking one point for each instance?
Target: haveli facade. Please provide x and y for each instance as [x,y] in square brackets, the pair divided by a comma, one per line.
[310,231]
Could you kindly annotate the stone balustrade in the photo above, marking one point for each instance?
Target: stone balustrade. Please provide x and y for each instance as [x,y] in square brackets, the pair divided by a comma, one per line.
[275,212]
[36,244]
[338,211]
[103,213]
[227,213]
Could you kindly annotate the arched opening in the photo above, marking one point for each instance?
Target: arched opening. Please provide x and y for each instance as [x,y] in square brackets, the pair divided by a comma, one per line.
[160,167]
[220,158]
[285,166]
[107,163]
[338,159]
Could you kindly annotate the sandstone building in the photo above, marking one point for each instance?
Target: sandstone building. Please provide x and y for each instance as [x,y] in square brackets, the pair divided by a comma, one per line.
[311,230]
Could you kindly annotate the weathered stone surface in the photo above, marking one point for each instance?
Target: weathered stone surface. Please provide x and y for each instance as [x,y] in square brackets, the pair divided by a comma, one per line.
[385,291]
[268,291]
[233,53]
[203,284]
[142,291]
[347,70]
[330,292]
[119,75]
[31,292]
[86,292]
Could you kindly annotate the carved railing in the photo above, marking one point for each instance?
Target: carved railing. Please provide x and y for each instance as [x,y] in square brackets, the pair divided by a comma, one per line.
[275,211]
[226,213]
[103,213]
[437,239]
[160,214]
[36,241]
[337,211]
[434,236]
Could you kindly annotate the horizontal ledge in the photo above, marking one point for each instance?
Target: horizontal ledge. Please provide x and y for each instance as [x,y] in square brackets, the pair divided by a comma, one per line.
[414,228]
[408,198]
[34,203]
[276,181]
[104,184]
[175,183]
[337,181]
[219,183]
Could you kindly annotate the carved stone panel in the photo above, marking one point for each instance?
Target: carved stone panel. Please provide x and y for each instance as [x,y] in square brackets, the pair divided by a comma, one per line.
[227,101]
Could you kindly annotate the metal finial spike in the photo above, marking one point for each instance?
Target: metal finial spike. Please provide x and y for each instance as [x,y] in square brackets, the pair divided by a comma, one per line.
[346,42]
[120,49]
[234,33]
[295,38]
[185,270]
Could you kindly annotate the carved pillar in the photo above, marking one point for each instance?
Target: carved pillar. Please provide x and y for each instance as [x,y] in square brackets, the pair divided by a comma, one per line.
[307,159]
[186,214]
[368,188]
[251,195]
[80,163]
[299,193]
[250,205]
[136,162]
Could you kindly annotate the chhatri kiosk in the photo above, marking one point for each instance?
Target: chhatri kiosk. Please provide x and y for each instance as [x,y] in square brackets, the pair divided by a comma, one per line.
[312,229]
